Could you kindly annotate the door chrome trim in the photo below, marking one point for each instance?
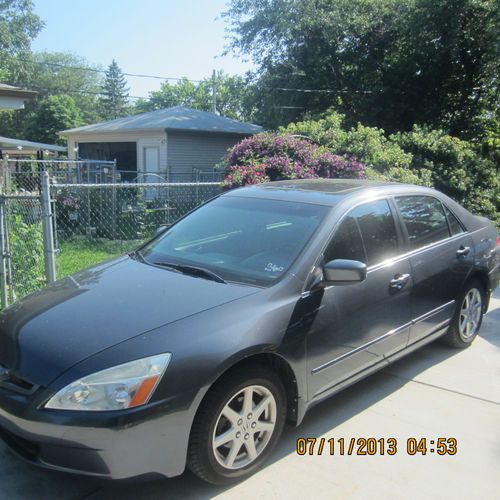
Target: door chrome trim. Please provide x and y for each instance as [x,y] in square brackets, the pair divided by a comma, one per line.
[395,331]
[360,348]
[416,251]
[432,312]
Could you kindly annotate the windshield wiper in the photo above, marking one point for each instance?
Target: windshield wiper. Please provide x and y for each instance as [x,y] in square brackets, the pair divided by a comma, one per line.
[193,271]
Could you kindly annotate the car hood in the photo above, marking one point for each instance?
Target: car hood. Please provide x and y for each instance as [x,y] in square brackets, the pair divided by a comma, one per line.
[48,332]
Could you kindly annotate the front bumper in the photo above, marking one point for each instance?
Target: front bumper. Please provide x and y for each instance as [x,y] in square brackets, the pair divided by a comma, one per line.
[115,445]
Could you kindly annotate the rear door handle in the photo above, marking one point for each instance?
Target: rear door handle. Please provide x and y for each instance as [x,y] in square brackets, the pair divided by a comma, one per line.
[399,281]
[463,251]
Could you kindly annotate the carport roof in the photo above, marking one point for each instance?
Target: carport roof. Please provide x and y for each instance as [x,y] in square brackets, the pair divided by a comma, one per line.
[176,118]
[11,91]
[7,143]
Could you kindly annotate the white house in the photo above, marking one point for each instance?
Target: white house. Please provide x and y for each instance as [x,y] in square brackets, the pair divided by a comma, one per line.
[174,143]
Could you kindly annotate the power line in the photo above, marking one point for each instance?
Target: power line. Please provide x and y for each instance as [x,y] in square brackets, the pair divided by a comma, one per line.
[95,70]
[80,92]
[171,78]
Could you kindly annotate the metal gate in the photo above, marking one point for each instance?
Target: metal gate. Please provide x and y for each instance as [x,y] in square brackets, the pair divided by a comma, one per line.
[26,243]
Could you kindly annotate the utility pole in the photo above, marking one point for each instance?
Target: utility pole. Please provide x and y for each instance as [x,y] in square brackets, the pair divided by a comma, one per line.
[214,93]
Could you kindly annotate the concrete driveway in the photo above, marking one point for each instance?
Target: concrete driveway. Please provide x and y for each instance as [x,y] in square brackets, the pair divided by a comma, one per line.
[435,392]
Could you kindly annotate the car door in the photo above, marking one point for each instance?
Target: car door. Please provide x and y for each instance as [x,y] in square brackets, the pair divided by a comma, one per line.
[441,258]
[357,325]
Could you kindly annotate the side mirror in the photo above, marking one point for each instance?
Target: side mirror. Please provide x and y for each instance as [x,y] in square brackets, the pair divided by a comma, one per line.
[344,272]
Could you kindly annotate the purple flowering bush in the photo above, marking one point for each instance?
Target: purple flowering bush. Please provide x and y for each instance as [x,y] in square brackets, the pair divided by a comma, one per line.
[273,156]
[68,201]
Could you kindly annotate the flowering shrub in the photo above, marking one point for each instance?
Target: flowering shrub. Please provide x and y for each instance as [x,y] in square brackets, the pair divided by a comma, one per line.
[271,156]
[69,201]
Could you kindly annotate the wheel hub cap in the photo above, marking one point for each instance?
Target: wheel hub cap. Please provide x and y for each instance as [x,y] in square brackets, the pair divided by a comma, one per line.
[244,427]
[470,313]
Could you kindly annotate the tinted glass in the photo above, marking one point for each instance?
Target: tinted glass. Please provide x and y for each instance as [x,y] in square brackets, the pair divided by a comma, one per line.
[424,219]
[241,239]
[455,226]
[378,231]
[346,242]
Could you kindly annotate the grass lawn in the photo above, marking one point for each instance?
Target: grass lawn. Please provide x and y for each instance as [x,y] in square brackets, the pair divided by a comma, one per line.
[77,254]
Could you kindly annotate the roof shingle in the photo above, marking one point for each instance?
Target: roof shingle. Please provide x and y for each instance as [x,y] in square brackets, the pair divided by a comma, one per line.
[176,118]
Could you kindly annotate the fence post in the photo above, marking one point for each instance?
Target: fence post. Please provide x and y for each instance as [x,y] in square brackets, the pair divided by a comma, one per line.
[48,228]
[3,270]
[5,175]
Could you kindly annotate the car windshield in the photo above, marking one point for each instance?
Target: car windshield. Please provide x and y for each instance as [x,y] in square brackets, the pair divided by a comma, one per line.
[248,240]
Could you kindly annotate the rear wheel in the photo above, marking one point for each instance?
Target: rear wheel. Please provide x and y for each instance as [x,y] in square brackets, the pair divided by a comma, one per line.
[237,426]
[468,316]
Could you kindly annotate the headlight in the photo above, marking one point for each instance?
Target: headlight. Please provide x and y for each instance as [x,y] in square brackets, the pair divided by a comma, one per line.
[124,386]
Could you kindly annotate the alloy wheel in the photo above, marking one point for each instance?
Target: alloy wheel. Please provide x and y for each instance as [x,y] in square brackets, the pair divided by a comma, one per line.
[470,313]
[244,427]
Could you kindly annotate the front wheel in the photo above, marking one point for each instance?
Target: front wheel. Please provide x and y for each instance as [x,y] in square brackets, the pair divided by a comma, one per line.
[237,426]
[468,316]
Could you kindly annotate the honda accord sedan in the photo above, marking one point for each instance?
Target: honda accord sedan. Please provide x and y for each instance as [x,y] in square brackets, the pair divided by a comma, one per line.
[195,349]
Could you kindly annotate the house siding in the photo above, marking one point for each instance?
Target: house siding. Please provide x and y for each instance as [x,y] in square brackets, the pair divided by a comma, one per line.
[188,152]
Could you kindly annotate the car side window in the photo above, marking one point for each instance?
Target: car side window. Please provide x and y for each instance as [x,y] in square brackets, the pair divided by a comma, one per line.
[378,231]
[424,219]
[346,242]
[367,234]
[455,226]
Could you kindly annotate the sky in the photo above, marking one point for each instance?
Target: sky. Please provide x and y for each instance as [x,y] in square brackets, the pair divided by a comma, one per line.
[155,37]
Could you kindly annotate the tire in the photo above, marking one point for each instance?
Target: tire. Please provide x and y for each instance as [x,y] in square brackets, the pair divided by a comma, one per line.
[459,335]
[221,465]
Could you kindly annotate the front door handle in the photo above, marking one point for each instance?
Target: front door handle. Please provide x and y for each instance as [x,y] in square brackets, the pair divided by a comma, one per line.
[463,251]
[399,281]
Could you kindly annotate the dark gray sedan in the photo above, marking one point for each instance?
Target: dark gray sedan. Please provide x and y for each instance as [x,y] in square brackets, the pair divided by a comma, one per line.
[196,348]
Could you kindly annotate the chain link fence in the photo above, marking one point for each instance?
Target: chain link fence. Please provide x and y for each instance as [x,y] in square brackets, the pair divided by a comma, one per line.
[22,175]
[98,221]
[58,229]
[23,264]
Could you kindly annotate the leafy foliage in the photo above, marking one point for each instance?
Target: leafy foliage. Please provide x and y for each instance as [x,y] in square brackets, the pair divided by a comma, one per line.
[53,114]
[231,96]
[273,156]
[26,245]
[368,144]
[52,73]
[456,168]
[422,156]
[385,63]
[19,25]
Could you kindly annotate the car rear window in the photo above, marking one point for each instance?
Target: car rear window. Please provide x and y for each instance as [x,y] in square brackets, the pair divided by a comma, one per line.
[424,219]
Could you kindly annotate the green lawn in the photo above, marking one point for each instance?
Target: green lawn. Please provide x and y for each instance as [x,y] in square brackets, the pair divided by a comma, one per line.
[77,254]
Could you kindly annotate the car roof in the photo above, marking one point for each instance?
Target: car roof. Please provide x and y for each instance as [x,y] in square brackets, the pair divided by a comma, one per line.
[347,193]
[324,191]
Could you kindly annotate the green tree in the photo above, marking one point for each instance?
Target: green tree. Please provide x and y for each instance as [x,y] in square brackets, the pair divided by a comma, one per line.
[57,73]
[53,114]
[231,96]
[54,73]
[19,25]
[114,102]
[385,63]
